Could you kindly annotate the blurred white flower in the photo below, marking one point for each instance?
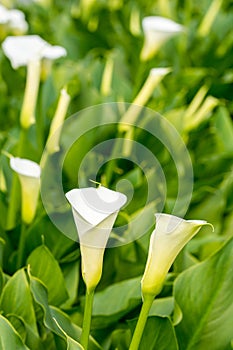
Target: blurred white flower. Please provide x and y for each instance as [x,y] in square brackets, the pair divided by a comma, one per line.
[94,211]
[22,49]
[157,30]
[57,122]
[29,176]
[13,20]
[169,237]
[155,76]
[29,50]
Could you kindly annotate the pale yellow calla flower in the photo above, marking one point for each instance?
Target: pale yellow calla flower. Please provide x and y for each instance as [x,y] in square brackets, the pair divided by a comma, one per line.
[155,76]
[157,30]
[29,176]
[94,211]
[169,237]
[58,119]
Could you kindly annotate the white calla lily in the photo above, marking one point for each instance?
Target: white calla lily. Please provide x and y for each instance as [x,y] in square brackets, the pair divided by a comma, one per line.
[157,30]
[26,48]
[29,176]
[94,211]
[29,50]
[169,237]
[14,20]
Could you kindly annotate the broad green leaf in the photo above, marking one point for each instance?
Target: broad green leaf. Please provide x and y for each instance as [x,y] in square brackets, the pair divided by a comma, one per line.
[158,334]
[204,294]
[71,343]
[120,339]
[44,266]
[16,300]
[115,301]
[72,330]
[71,274]
[57,242]
[162,307]
[18,324]
[50,313]
[9,338]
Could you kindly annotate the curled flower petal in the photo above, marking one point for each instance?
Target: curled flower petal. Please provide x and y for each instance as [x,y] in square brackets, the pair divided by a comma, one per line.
[29,176]
[157,30]
[22,49]
[169,237]
[94,211]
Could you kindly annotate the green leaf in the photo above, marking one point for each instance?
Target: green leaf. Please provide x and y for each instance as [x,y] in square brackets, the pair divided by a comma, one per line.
[71,343]
[50,313]
[9,338]
[19,325]
[16,300]
[158,334]
[115,301]
[44,266]
[162,307]
[56,241]
[71,274]
[120,339]
[204,294]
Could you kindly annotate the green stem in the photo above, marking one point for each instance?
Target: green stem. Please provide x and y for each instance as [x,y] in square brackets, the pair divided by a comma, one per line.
[87,319]
[21,248]
[141,322]
[13,199]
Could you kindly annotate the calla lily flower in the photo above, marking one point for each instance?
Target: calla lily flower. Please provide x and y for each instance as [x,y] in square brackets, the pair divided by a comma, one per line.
[169,237]
[22,49]
[157,30]
[29,50]
[94,211]
[29,176]
[13,20]
[58,119]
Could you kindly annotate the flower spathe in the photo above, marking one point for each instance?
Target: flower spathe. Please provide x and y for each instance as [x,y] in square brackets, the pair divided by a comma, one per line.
[13,20]
[157,30]
[29,176]
[57,122]
[22,49]
[94,211]
[169,237]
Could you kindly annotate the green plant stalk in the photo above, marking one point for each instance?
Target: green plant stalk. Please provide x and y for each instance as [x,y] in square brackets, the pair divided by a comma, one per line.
[137,336]
[13,202]
[21,245]
[87,318]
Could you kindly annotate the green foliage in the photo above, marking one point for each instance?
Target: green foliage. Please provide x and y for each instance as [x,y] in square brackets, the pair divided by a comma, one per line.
[41,304]
[203,293]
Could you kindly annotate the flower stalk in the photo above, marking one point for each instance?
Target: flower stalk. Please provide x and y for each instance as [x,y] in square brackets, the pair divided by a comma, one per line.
[137,336]
[94,212]
[107,77]
[209,18]
[155,76]
[27,115]
[167,240]
[58,119]
[87,318]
